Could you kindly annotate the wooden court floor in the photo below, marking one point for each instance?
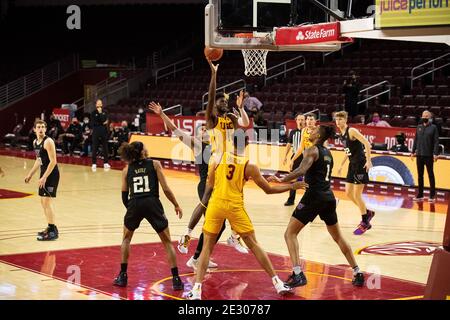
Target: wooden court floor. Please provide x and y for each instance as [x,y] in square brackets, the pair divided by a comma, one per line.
[89,214]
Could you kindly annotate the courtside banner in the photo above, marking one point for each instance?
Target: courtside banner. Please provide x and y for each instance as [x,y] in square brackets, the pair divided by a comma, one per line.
[317,33]
[63,115]
[373,134]
[410,13]
[388,167]
[189,124]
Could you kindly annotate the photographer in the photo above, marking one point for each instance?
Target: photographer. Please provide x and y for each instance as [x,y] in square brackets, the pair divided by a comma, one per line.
[351,89]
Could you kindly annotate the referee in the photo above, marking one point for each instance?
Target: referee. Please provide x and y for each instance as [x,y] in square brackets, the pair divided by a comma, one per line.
[99,120]
[294,143]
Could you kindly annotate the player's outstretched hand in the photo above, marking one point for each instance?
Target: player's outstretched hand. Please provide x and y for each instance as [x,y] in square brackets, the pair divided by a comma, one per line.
[240,100]
[155,107]
[179,212]
[300,185]
[27,179]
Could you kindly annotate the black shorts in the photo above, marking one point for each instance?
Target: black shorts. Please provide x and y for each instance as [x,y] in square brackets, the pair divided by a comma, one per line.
[149,208]
[357,174]
[51,185]
[326,210]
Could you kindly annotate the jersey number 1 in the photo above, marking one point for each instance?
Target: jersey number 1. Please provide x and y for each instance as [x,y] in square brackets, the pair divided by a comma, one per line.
[327,177]
[140,184]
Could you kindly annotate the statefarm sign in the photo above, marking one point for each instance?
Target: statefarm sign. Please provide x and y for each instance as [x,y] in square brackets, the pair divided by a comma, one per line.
[317,33]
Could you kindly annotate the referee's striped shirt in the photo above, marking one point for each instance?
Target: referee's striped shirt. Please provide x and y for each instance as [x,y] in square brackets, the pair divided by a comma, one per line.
[295,137]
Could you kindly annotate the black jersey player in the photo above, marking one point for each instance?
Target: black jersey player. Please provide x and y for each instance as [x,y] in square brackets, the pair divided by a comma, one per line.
[140,195]
[316,166]
[48,179]
[357,150]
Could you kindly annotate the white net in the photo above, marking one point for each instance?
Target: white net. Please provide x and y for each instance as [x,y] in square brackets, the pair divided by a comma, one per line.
[255,62]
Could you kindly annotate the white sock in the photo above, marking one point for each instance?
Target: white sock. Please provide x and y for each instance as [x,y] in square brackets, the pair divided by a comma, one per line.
[356,270]
[197,286]
[276,279]
[297,270]
[189,231]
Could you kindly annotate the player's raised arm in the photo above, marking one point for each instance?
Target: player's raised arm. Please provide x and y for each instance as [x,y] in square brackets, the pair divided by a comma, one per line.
[243,119]
[187,139]
[210,118]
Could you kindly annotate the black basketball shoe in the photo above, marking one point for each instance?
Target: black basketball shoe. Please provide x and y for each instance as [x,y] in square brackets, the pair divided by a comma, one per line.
[296,280]
[358,279]
[48,234]
[41,233]
[177,284]
[121,280]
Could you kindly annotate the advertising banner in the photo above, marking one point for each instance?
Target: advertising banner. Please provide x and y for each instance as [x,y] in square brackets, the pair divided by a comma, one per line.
[63,115]
[388,167]
[189,124]
[309,34]
[373,134]
[411,13]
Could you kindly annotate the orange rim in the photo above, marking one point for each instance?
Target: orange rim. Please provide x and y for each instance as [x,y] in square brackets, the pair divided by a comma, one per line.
[244,35]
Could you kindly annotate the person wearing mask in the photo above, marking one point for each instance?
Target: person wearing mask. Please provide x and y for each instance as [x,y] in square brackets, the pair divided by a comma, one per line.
[86,136]
[426,150]
[400,146]
[377,122]
[99,119]
[72,137]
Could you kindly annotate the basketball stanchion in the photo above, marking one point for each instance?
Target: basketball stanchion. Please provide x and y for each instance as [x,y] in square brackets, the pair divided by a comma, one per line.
[438,284]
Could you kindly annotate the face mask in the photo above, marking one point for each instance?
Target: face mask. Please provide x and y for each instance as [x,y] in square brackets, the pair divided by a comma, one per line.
[425,120]
[376,119]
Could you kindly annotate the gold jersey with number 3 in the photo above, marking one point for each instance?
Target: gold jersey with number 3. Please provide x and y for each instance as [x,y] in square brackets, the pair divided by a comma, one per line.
[229,178]
[221,136]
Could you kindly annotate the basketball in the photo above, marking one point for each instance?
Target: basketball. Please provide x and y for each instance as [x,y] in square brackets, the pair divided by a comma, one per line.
[213,54]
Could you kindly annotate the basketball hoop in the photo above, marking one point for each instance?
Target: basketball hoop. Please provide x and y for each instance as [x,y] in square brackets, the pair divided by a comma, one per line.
[254,59]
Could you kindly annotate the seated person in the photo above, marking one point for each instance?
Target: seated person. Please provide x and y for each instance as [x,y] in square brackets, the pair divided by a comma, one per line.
[72,137]
[400,146]
[377,122]
[86,136]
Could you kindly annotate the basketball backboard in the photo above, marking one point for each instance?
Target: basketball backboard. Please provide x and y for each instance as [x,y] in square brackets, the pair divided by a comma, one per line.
[274,21]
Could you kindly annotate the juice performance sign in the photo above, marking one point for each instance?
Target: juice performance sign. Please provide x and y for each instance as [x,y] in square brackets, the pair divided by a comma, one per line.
[410,13]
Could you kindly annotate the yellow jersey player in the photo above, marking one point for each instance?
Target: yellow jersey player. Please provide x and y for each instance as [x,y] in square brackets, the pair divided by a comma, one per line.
[305,142]
[225,185]
[221,124]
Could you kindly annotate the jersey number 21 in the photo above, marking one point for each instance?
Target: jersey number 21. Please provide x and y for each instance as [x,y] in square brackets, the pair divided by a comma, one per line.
[140,184]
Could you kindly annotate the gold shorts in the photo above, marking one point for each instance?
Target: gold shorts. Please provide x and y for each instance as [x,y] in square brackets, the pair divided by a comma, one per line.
[219,210]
